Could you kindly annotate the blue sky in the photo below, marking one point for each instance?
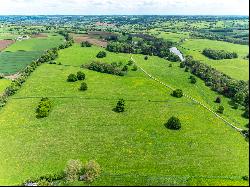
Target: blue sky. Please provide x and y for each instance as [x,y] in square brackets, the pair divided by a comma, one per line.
[98,7]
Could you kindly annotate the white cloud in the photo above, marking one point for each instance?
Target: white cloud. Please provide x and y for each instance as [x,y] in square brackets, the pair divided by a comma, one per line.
[165,7]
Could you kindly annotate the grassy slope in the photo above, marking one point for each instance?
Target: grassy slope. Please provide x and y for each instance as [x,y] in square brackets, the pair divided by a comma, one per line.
[133,147]
[236,68]
[3,84]
[174,37]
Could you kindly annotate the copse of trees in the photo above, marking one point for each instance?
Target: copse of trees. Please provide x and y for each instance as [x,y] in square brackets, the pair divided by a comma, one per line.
[219,54]
[147,46]
[237,91]
[113,68]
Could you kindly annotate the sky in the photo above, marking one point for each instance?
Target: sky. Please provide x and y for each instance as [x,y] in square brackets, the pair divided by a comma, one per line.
[124,7]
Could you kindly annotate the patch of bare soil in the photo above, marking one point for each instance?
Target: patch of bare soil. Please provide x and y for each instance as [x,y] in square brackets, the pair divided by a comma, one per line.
[94,41]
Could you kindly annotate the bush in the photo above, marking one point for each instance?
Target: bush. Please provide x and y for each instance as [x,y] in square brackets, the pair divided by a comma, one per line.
[173,123]
[43,182]
[43,108]
[73,170]
[170,65]
[182,65]
[86,44]
[91,171]
[120,107]
[83,86]
[72,78]
[125,68]
[101,54]
[135,68]
[146,58]
[245,178]
[193,79]
[218,100]
[177,93]
[221,109]
[80,75]
[186,69]
[130,63]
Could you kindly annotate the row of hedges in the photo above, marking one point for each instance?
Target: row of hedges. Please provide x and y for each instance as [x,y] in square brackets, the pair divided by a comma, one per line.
[237,91]
[219,54]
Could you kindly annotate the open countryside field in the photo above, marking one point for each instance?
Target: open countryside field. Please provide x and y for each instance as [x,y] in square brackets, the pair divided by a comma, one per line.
[3,84]
[133,147]
[236,68]
[170,36]
[17,56]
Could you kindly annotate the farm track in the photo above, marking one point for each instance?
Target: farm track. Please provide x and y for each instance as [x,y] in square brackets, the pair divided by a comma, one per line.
[189,97]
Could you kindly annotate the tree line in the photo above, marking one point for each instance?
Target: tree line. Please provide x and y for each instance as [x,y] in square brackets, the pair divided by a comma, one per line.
[219,54]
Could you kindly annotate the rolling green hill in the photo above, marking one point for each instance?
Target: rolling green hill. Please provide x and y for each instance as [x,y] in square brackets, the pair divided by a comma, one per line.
[132,147]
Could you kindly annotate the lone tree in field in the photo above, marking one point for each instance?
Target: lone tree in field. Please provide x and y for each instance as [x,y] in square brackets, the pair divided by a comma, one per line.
[120,107]
[72,78]
[83,86]
[173,123]
[101,54]
[221,109]
[177,93]
[80,75]
[218,100]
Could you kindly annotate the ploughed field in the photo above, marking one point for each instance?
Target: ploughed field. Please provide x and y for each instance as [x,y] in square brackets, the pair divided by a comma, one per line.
[134,147]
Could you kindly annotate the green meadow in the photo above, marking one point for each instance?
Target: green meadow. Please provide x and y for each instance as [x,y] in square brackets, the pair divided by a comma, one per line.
[170,36]
[3,84]
[236,68]
[134,147]
[20,54]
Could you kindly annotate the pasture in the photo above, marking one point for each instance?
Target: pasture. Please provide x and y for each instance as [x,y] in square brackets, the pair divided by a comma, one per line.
[236,68]
[133,147]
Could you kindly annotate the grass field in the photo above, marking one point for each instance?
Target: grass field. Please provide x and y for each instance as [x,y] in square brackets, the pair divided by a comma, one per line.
[133,148]
[170,36]
[37,44]
[3,84]
[236,68]
[22,53]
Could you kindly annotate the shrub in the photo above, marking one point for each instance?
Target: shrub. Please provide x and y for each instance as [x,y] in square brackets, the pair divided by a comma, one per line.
[43,182]
[91,171]
[86,44]
[218,100]
[1,75]
[125,68]
[182,65]
[245,178]
[170,65]
[221,109]
[178,93]
[120,107]
[101,54]
[193,79]
[146,58]
[43,108]
[186,69]
[80,75]
[73,170]
[83,86]
[72,78]
[173,123]
[130,63]
[135,68]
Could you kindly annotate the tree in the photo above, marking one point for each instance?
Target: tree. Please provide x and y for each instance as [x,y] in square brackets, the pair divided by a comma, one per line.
[135,68]
[193,79]
[83,86]
[86,44]
[218,100]
[173,123]
[101,54]
[120,107]
[125,68]
[80,75]
[221,109]
[146,58]
[91,171]
[178,93]
[43,108]
[72,78]
[73,170]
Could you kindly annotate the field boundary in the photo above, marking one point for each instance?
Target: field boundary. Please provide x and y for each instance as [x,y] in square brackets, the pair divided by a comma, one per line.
[189,97]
